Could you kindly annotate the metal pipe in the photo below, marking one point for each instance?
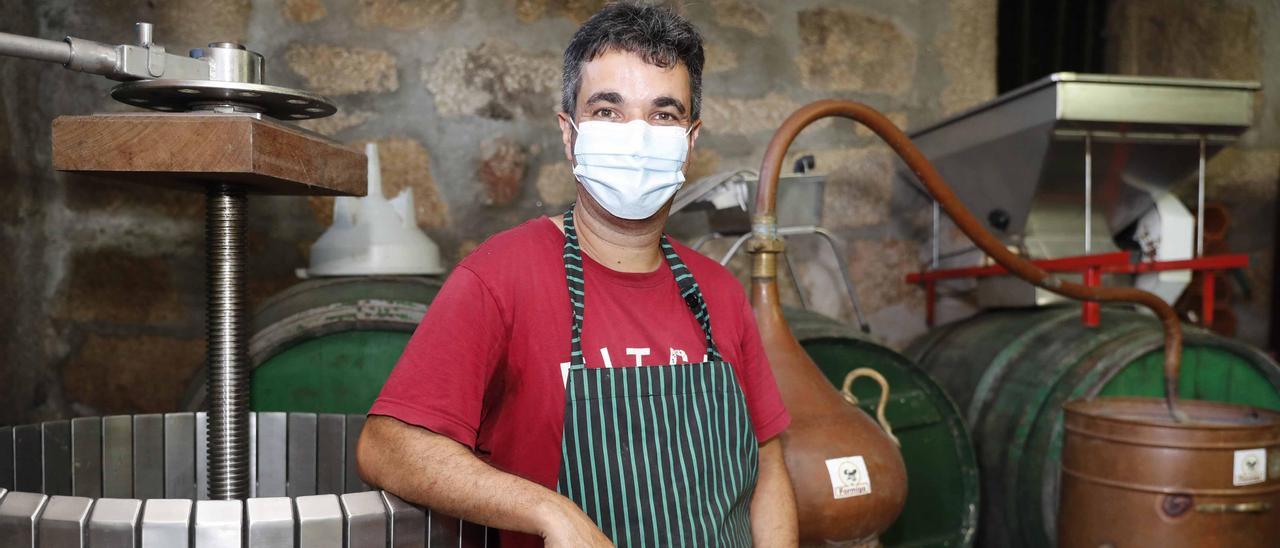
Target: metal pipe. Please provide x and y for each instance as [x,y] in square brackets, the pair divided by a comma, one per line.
[937,235]
[766,243]
[36,49]
[844,273]
[1088,193]
[1200,204]
[733,249]
[227,356]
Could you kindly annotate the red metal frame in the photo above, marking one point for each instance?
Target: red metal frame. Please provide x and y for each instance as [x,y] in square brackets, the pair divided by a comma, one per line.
[1093,267]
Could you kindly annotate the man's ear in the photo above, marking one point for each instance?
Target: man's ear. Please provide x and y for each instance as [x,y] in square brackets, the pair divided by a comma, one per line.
[693,132]
[566,135]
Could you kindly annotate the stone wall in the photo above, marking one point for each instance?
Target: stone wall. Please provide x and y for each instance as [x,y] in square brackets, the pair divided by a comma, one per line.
[101,284]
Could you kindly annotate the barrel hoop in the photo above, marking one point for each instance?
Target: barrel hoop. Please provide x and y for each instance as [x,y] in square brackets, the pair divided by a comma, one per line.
[365,313]
[1264,489]
[1000,365]
[1268,442]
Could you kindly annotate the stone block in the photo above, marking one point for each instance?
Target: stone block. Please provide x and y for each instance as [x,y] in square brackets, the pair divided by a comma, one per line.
[336,71]
[115,286]
[496,80]
[501,170]
[1186,38]
[304,11]
[577,11]
[859,185]
[879,268]
[183,24]
[741,14]
[967,51]
[850,50]
[131,373]
[406,14]
[702,162]
[719,58]
[737,116]
[556,184]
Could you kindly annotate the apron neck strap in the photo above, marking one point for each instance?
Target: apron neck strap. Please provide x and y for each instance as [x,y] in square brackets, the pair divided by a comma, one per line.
[575,277]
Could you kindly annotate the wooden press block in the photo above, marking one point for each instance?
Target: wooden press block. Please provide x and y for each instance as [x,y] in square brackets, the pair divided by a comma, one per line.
[198,149]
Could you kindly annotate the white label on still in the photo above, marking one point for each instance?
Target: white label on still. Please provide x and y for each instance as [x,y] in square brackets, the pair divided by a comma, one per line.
[849,477]
[1250,467]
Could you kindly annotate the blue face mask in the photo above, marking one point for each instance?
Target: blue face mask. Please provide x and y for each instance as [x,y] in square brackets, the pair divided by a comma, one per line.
[630,169]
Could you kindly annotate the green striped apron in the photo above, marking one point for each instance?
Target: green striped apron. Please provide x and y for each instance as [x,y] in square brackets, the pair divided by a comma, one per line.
[657,456]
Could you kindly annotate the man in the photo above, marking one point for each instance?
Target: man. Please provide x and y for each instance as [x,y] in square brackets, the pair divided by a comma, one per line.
[567,385]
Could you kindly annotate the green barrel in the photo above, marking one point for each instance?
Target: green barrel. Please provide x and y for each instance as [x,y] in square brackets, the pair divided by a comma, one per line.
[942,469]
[327,345]
[1011,371]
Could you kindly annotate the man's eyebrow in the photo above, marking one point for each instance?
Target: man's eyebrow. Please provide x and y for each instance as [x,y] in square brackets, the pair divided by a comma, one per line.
[605,96]
[669,101]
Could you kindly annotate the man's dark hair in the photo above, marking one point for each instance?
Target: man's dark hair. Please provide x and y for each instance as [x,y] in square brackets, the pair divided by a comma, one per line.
[657,34]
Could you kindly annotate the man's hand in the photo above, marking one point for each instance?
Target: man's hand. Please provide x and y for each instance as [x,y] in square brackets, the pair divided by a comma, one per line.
[773,508]
[567,526]
[426,468]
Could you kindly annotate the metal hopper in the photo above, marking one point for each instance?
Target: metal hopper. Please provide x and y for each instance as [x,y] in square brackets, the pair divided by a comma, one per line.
[1019,162]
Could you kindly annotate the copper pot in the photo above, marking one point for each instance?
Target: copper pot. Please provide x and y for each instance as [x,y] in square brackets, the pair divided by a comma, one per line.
[1133,477]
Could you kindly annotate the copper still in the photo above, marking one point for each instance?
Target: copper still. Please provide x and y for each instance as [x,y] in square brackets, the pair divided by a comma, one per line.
[1133,477]
[827,434]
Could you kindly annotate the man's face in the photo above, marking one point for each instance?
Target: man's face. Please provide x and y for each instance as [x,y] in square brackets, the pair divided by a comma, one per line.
[621,87]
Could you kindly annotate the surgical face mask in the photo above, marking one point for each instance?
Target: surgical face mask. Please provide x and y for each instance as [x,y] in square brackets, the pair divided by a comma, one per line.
[630,169]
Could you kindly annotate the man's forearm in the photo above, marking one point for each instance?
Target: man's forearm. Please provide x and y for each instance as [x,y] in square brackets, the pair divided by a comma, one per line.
[432,470]
[773,507]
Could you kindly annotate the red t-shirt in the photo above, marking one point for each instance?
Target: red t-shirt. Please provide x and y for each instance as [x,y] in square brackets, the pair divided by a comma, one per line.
[486,365]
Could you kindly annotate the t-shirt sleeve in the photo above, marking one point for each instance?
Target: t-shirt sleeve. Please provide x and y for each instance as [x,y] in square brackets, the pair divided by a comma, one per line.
[769,416]
[440,381]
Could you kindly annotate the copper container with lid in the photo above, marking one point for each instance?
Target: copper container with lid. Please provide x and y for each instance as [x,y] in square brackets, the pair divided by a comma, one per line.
[1131,476]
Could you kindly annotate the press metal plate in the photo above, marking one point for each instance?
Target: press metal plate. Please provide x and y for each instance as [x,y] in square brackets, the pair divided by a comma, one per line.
[187,95]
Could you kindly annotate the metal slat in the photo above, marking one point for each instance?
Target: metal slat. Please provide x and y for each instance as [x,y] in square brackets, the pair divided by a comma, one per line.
[270,522]
[166,523]
[218,524]
[180,455]
[301,475]
[86,457]
[330,453]
[272,439]
[65,521]
[366,519]
[443,530]
[117,456]
[148,456]
[253,452]
[19,513]
[28,464]
[114,523]
[57,457]
[319,521]
[353,484]
[202,451]
[408,523]
[6,457]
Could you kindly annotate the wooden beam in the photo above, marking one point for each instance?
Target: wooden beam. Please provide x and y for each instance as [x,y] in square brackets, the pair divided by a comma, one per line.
[194,150]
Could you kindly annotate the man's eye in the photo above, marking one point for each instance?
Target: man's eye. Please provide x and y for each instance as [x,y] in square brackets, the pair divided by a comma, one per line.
[665,116]
[605,113]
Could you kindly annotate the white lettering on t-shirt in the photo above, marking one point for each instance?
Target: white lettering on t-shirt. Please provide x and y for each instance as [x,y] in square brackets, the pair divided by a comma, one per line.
[638,353]
[678,356]
[604,353]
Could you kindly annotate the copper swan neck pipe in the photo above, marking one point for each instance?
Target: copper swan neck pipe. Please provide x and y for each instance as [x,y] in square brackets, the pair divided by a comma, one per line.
[765,243]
